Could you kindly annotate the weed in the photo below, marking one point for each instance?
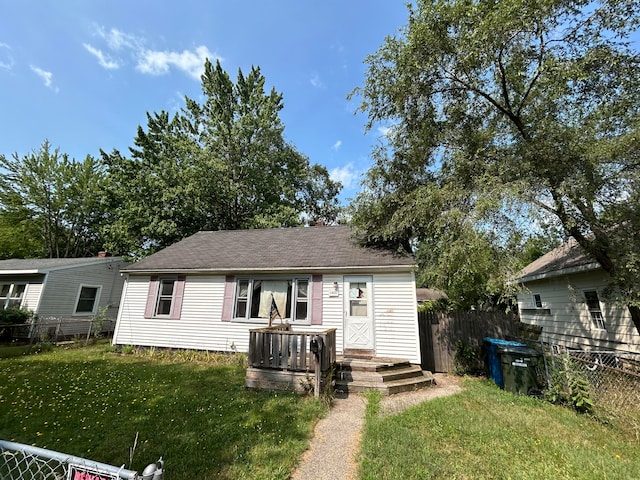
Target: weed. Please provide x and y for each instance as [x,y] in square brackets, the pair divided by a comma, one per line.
[466,360]
[568,386]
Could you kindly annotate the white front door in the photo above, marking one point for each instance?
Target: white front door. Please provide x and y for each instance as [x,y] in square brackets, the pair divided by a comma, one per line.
[358,313]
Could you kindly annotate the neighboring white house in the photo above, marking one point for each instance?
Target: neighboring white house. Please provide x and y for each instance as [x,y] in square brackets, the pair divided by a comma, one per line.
[65,292]
[207,291]
[565,293]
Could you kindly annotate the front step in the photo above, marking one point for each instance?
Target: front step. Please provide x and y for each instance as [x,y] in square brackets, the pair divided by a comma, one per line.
[388,376]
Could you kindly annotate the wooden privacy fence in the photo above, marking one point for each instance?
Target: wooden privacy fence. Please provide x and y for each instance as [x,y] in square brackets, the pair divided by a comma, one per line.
[440,333]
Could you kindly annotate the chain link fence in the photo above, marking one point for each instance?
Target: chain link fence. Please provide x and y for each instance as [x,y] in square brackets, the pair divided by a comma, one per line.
[24,462]
[613,379]
[56,329]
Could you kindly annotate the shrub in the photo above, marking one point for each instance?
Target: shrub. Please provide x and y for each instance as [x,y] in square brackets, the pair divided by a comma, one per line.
[12,316]
[15,316]
[467,360]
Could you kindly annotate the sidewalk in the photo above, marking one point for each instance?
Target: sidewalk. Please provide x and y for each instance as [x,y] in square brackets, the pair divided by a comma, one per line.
[336,441]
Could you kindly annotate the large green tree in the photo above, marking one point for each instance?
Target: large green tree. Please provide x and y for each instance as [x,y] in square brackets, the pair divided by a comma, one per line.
[511,107]
[56,198]
[222,163]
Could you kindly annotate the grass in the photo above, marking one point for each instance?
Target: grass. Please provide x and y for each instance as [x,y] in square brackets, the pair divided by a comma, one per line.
[192,410]
[486,433]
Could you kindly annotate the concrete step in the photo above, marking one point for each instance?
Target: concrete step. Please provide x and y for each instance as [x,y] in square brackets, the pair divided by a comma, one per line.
[386,388]
[371,365]
[386,375]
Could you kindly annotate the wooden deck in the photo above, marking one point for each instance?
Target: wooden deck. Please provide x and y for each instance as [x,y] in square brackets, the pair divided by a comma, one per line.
[281,359]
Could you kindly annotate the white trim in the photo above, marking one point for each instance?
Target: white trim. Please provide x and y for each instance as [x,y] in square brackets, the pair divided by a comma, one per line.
[533,299]
[96,301]
[291,302]
[10,293]
[46,270]
[347,280]
[168,278]
[594,323]
[261,271]
[556,273]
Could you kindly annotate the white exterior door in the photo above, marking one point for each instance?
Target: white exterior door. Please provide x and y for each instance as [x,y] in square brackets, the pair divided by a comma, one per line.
[358,313]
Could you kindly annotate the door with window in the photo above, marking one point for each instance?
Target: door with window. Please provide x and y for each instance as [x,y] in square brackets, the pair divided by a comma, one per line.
[358,314]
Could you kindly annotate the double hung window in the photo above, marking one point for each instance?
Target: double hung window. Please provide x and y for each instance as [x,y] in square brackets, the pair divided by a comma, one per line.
[165,297]
[272,299]
[87,301]
[537,300]
[11,294]
[593,304]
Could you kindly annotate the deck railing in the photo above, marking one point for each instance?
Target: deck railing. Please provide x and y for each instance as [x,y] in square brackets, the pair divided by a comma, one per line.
[280,348]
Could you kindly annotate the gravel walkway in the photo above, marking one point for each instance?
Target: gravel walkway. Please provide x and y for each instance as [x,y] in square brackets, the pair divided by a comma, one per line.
[336,440]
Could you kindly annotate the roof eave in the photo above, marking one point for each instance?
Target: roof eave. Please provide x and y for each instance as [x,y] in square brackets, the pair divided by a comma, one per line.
[52,268]
[226,271]
[557,273]
[21,272]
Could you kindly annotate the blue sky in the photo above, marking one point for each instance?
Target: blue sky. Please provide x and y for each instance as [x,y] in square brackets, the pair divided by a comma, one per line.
[83,74]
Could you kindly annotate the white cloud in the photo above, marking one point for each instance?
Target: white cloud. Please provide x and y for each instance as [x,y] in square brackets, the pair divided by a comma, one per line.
[159,63]
[148,61]
[47,77]
[104,60]
[117,40]
[347,175]
[316,82]
[384,131]
[337,145]
[6,60]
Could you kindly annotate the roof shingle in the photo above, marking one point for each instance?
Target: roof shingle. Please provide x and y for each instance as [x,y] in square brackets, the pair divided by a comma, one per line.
[269,249]
[568,256]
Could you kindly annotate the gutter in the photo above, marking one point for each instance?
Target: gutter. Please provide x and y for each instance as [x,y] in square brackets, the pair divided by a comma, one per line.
[557,273]
[230,270]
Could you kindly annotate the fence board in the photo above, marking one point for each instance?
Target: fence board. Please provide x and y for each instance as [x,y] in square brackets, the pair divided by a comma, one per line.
[440,332]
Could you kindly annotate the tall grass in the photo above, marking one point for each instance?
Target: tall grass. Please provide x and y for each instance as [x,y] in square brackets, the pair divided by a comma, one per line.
[486,433]
[191,409]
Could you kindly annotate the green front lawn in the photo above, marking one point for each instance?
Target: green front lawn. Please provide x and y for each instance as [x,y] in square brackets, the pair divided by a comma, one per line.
[197,415]
[486,433]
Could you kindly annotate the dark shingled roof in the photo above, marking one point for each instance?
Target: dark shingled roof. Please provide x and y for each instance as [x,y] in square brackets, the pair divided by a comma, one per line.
[568,257]
[426,294]
[44,264]
[270,249]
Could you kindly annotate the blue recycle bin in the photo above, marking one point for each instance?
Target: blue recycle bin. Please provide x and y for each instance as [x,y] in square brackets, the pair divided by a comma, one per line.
[492,362]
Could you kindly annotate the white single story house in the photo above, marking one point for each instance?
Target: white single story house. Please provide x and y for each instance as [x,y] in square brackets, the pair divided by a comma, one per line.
[565,294]
[207,291]
[63,292]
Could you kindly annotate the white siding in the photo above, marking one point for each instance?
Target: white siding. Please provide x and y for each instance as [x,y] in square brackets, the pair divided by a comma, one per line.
[61,288]
[396,316]
[33,290]
[333,309]
[32,295]
[569,322]
[200,325]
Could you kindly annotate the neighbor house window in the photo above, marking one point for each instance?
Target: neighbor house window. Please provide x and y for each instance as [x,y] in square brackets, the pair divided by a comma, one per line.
[11,294]
[593,304]
[88,298]
[537,300]
[272,298]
